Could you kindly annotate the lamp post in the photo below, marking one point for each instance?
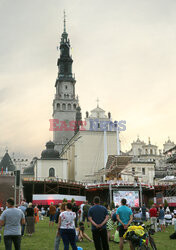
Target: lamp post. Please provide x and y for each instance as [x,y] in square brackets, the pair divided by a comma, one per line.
[19,163]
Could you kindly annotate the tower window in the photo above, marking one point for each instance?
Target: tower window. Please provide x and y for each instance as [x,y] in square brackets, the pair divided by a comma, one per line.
[151,151]
[69,106]
[65,86]
[63,106]
[58,106]
[51,172]
[146,152]
[74,106]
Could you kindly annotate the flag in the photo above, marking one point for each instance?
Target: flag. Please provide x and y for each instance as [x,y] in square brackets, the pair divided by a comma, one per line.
[2,170]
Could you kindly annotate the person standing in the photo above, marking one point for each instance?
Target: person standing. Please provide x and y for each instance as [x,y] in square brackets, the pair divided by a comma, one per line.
[52,211]
[168,218]
[98,216]
[30,220]
[81,209]
[36,214]
[85,212]
[153,216]
[58,237]
[75,209]
[66,227]
[23,209]
[110,223]
[161,219]
[12,219]
[143,210]
[124,217]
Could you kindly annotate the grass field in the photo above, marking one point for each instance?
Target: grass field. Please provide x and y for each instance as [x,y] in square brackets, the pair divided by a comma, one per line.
[43,239]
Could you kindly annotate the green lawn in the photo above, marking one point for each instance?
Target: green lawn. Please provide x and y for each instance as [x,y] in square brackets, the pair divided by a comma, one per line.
[44,239]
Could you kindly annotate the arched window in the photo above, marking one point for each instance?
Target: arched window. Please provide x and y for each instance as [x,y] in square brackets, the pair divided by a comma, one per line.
[69,106]
[139,151]
[51,172]
[58,106]
[146,151]
[63,106]
[74,106]
[151,151]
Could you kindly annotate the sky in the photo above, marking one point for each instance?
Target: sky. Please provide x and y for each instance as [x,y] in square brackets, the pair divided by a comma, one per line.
[124,53]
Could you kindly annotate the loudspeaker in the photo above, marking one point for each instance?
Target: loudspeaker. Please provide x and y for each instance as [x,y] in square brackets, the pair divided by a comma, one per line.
[17,174]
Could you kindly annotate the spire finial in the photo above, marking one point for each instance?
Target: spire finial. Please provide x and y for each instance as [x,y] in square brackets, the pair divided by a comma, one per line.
[64,22]
[97,102]
[149,140]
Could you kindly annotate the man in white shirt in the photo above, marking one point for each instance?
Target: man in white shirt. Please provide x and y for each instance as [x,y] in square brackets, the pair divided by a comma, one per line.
[81,208]
[168,218]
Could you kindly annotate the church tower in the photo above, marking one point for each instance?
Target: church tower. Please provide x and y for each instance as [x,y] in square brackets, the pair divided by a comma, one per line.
[65,103]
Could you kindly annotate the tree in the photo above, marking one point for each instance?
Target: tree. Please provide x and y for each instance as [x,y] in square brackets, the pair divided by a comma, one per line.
[150,203]
[64,200]
[72,200]
[166,203]
[112,205]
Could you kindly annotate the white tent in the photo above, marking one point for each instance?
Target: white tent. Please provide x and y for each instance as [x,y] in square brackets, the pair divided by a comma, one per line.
[168,179]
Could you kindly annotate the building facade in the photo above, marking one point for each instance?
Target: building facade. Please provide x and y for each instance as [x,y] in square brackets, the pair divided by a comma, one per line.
[88,150]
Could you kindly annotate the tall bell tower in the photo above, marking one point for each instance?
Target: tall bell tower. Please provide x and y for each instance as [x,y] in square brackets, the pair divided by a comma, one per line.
[65,102]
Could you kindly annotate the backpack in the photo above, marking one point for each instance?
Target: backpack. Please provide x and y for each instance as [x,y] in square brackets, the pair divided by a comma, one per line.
[173,236]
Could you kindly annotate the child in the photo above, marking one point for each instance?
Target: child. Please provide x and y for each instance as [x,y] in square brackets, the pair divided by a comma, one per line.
[82,234]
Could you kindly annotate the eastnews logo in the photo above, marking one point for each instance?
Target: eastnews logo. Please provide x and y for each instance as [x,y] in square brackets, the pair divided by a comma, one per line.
[94,125]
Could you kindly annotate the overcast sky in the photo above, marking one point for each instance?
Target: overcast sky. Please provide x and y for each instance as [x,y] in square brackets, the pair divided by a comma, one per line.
[124,53]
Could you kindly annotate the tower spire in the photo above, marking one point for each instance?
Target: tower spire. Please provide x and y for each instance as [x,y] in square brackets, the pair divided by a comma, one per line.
[64,22]
[97,102]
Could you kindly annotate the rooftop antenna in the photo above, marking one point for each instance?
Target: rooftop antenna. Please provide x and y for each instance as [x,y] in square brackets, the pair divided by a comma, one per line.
[64,22]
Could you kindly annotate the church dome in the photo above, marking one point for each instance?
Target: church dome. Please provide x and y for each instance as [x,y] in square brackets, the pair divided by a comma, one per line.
[50,152]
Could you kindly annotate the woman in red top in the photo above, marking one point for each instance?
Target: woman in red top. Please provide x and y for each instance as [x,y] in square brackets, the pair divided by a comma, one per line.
[153,216]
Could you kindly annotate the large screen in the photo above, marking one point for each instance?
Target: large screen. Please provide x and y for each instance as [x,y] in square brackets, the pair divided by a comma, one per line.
[132,197]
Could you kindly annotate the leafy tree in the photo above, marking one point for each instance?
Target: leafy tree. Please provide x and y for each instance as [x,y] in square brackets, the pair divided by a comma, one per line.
[150,203]
[72,200]
[64,200]
[166,203]
[112,205]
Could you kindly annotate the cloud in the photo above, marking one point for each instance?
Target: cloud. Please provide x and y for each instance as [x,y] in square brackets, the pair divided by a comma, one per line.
[123,51]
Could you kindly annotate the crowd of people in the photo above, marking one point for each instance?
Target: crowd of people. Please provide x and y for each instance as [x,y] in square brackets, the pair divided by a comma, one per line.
[70,220]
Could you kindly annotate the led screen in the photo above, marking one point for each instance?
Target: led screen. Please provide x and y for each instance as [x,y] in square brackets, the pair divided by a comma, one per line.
[132,197]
